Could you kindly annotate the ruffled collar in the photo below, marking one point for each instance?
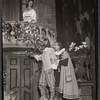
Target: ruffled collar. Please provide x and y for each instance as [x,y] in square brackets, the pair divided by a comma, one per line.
[60,52]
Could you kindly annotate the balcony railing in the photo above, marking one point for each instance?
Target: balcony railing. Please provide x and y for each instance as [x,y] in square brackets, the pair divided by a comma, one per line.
[10,40]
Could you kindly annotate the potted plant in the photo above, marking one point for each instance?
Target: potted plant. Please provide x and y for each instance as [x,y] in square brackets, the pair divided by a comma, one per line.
[80,58]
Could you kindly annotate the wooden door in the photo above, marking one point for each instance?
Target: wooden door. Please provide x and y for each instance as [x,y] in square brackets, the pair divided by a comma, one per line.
[19,77]
[26,78]
[13,78]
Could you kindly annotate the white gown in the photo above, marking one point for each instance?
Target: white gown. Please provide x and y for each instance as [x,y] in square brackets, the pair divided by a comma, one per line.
[29,16]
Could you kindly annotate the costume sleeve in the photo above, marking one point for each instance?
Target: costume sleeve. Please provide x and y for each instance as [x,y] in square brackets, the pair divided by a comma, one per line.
[64,62]
[23,15]
[53,58]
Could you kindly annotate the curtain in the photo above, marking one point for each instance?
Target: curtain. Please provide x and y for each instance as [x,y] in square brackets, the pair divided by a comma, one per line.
[11,10]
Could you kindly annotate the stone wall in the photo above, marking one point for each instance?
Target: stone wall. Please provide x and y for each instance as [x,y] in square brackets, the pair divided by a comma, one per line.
[45,10]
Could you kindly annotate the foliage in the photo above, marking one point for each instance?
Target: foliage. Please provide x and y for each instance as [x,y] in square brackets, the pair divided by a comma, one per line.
[80,59]
[80,50]
[26,33]
[6,29]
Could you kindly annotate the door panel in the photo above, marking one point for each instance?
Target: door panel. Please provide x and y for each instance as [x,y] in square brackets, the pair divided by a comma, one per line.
[19,77]
[26,78]
[13,77]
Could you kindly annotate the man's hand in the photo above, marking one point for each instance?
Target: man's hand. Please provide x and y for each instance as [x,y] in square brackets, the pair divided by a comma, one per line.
[37,57]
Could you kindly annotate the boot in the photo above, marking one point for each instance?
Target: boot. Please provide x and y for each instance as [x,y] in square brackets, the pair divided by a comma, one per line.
[57,95]
[43,97]
[43,93]
[52,93]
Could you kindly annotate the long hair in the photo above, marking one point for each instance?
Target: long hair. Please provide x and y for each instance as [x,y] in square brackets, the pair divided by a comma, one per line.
[48,42]
[28,2]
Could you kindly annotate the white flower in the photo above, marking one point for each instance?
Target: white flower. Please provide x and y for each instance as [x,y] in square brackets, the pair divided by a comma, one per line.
[70,49]
[26,31]
[70,46]
[76,48]
[84,43]
[73,44]
[12,33]
[81,46]
[85,46]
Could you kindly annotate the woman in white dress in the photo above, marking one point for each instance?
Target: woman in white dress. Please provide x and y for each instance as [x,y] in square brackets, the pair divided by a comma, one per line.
[29,15]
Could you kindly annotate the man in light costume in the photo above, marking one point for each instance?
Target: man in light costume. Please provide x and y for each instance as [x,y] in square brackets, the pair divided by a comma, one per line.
[47,78]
